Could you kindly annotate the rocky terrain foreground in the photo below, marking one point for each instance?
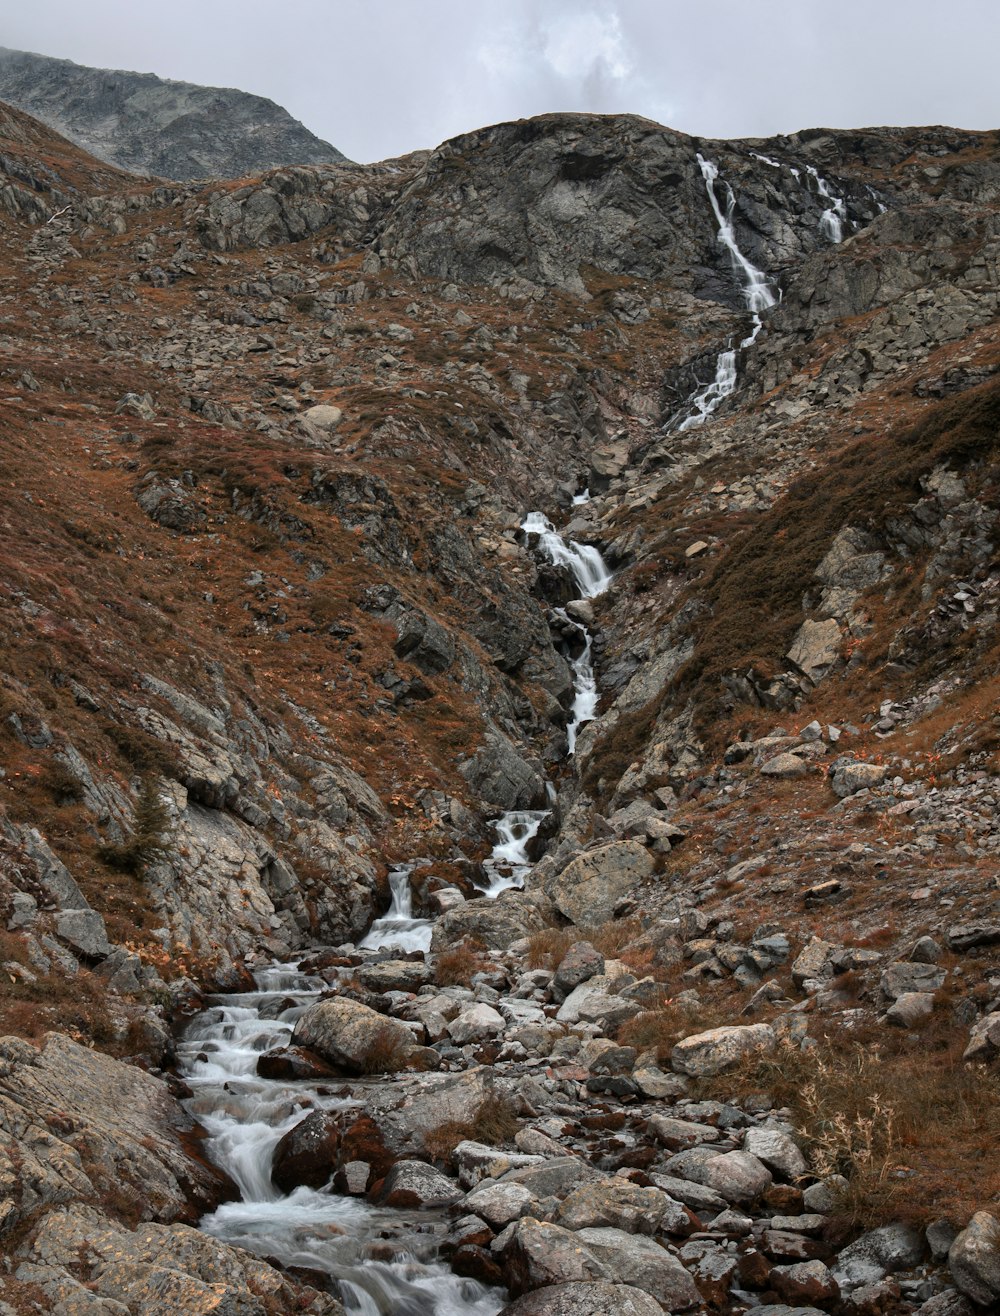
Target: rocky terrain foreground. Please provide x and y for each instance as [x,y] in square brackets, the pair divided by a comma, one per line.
[276,648]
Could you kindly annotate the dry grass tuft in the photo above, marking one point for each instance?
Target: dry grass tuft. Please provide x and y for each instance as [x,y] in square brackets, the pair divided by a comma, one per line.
[457,966]
[494,1123]
[386,1053]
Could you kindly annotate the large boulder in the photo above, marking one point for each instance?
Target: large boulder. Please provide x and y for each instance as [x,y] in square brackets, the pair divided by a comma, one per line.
[501,777]
[494,923]
[307,1154]
[536,1253]
[597,1299]
[705,1054]
[645,1264]
[413,1183]
[589,888]
[616,1204]
[353,1037]
[974,1260]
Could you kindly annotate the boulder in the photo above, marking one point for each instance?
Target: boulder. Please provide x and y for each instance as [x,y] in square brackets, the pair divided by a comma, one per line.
[804,1281]
[536,1254]
[475,1023]
[737,1176]
[579,963]
[904,977]
[589,888]
[307,1154]
[494,923]
[777,1151]
[413,1183]
[394,976]
[645,1264]
[617,1204]
[353,1037]
[815,649]
[597,1299]
[984,1040]
[713,1052]
[974,1260]
[851,777]
[876,1254]
[784,767]
[678,1134]
[500,1203]
[501,777]
[83,931]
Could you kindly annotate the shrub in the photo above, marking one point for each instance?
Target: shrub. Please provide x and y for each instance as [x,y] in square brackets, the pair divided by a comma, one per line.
[150,839]
[387,1052]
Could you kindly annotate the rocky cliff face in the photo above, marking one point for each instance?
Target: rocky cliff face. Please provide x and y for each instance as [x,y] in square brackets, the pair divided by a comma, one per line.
[267,447]
[159,126]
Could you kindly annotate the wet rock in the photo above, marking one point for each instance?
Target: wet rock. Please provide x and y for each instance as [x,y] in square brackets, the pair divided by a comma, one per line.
[589,888]
[293,1062]
[705,1054]
[353,1037]
[974,1259]
[596,1299]
[413,1183]
[645,1264]
[307,1154]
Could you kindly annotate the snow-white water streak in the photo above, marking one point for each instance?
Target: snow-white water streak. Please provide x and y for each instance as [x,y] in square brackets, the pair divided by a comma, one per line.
[509,864]
[832,221]
[398,929]
[245,1117]
[758,292]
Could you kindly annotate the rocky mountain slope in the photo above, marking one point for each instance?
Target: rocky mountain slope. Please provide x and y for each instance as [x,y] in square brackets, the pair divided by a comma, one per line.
[159,126]
[270,628]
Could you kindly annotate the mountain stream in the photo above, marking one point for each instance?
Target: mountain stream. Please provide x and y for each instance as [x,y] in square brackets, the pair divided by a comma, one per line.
[381,1261]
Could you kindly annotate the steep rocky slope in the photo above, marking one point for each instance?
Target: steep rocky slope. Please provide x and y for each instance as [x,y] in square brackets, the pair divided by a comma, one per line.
[159,126]
[267,446]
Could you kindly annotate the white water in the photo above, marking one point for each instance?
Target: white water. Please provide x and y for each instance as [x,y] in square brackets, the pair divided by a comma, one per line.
[398,928]
[757,289]
[245,1116]
[709,396]
[509,865]
[586,564]
[832,221]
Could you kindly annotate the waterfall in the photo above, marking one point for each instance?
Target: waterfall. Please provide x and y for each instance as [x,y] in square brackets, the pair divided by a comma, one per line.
[586,564]
[398,928]
[757,289]
[701,405]
[831,223]
[508,864]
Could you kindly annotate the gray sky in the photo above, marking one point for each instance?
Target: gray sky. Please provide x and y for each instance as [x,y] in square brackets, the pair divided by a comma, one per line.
[379,79]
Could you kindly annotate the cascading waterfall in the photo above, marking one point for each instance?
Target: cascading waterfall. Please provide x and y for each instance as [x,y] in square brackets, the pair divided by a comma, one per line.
[758,293]
[398,928]
[832,221]
[245,1117]
[508,864]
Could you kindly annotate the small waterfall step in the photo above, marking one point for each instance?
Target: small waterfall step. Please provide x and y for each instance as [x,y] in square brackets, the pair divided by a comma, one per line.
[397,929]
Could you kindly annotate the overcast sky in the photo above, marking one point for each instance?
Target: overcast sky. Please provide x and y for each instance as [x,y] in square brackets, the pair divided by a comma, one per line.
[380,78]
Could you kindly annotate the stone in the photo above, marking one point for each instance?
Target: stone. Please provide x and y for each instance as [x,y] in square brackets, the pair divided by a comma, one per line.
[737,1176]
[645,1264]
[908,1009]
[815,648]
[306,1156]
[600,1298]
[353,1037]
[926,951]
[500,1203]
[413,1183]
[804,1281]
[966,936]
[784,767]
[579,963]
[948,1303]
[657,1085]
[475,1024]
[614,1203]
[495,923]
[777,1151]
[588,889]
[84,931]
[905,977]
[851,777]
[704,1055]
[984,1039]
[394,976]
[876,1254]
[293,1062]
[321,419]
[678,1134]
[591,1003]
[536,1253]
[974,1259]
[699,1197]
[813,961]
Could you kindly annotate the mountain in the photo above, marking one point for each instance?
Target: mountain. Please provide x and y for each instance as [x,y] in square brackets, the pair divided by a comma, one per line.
[339,505]
[158,126]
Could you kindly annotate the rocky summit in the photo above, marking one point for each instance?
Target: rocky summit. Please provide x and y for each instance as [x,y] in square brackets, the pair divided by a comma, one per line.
[159,126]
[498,725]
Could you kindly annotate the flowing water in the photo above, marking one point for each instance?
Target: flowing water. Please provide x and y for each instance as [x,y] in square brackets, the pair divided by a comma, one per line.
[758,293]
[398,929]
[509,865]
[245,1116]
[832,221]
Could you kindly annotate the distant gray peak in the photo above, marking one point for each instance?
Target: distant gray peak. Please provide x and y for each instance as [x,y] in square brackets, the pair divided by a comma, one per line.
[153,125]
